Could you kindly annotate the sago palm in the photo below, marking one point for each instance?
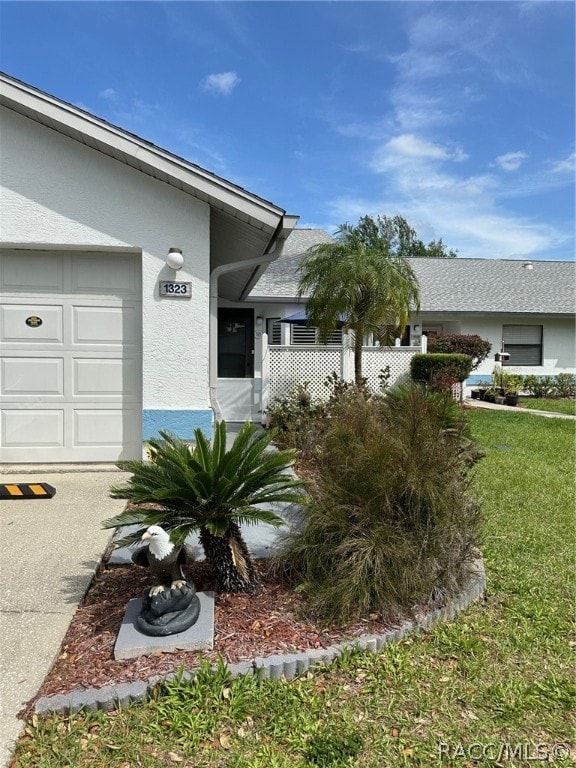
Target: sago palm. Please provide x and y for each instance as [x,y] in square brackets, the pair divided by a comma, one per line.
[358,279]
[211,490]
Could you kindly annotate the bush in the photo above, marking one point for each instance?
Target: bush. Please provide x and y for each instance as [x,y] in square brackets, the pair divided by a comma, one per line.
[391,523]
[539,386]
[565,385]
[440,371]
[459,343]
[297,420]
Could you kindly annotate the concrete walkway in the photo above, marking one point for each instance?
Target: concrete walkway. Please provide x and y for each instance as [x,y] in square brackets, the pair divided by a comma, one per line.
[513,409]
[49,552]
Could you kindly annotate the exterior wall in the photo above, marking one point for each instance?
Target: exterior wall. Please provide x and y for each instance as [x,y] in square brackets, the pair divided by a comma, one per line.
[59,194]
[558,346]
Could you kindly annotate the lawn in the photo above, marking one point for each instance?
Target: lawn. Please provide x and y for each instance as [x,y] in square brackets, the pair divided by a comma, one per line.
[555,405]
[493,687]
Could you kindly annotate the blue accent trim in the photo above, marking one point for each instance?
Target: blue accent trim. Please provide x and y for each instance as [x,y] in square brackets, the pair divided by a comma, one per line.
[475,378]
[181,423]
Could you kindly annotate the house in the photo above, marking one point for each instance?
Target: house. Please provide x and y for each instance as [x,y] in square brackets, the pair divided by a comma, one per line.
[140,292]
[115,256]
[525,308]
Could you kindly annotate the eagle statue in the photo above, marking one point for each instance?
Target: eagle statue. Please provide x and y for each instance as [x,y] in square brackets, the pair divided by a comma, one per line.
[163,558]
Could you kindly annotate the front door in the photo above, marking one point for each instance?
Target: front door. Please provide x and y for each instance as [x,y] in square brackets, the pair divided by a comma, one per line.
[235,343]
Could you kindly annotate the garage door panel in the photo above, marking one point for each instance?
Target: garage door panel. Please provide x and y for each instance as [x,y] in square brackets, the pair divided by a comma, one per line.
[95,376]
[32,272]
[105,325]
[32,376]
[31,324]
[114,275]
[70,384]
[100,427]
[33,428]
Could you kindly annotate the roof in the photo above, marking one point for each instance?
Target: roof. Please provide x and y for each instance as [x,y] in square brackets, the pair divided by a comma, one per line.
[449,285]
[242,226]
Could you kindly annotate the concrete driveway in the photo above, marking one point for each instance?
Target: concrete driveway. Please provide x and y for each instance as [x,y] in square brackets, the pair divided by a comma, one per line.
[49,551]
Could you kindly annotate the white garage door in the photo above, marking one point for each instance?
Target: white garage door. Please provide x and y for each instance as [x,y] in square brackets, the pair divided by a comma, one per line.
[70,357]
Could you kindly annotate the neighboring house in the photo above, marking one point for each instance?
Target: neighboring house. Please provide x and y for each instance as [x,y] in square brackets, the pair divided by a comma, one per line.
[94,356]
[526,308]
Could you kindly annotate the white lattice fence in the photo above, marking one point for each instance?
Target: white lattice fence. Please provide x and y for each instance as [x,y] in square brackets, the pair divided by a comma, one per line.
[290,366]
[375,360]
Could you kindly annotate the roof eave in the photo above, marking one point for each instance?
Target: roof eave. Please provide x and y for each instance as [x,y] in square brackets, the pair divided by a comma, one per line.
[138,153]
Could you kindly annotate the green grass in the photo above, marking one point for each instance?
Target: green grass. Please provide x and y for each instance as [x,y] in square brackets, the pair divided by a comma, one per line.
[499,674]
[560,405]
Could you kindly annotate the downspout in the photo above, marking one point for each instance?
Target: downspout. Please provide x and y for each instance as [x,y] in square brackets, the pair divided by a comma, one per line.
[267,258]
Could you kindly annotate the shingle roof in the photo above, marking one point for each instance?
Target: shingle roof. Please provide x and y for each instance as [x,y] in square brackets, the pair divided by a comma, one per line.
[450,285]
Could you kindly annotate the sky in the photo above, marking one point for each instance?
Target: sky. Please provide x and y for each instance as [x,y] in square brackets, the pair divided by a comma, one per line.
[458,116]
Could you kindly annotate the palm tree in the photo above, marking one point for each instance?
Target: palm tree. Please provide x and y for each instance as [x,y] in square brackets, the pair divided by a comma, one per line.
[359,282]
[211,490]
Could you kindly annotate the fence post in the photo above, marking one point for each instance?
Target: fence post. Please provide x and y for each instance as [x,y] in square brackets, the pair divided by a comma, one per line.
[347,365]
[424,343]
[265,391]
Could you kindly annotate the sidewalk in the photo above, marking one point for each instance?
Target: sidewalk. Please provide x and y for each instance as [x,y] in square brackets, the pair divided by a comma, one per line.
[514,409]
[49,552]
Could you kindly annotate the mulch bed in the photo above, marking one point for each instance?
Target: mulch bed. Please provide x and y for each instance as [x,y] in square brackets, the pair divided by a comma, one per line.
[244,627]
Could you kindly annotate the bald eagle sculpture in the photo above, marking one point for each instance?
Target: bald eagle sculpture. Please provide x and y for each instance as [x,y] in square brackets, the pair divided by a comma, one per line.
[171,605]
[163,558]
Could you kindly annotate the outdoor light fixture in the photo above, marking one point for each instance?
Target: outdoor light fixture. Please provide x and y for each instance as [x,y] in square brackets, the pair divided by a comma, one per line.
[175,260]
[416,329]
[259,320]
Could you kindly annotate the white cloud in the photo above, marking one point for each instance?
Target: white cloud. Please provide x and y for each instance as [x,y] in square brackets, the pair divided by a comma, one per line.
[409,148]
[221,82]
[565,166]
[511,161]
[108,93]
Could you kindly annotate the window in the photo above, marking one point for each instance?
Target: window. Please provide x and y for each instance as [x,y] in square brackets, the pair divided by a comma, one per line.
[523,343]
[306,334]
[432,330]
[274,330]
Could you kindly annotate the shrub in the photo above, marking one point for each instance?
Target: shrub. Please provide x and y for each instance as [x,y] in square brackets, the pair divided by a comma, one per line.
[539,386]
[511,382]
[391,522]
[565,385]
[440,371]
[297,419]
[460,343]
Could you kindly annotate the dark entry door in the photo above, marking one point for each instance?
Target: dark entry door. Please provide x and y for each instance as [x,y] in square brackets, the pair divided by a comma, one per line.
[235,343]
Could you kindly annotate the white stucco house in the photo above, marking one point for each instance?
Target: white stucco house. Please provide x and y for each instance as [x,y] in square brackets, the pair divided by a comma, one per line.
[101,342]
[525,308]
[140,292]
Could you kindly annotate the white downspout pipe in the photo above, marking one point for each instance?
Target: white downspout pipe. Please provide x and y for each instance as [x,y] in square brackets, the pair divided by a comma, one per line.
[266,258]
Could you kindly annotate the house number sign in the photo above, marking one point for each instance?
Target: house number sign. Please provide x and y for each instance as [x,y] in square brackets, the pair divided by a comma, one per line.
[175,290]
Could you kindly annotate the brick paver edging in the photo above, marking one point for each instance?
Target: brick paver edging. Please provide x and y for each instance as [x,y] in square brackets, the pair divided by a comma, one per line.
[273,667]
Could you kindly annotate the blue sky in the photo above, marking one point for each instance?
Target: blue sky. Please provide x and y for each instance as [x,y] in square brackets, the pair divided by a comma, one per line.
[457,115]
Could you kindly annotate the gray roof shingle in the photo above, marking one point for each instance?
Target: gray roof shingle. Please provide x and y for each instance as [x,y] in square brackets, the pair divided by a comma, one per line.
[449,285]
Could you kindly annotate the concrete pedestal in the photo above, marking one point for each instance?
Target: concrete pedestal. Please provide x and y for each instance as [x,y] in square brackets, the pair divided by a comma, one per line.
[131,643]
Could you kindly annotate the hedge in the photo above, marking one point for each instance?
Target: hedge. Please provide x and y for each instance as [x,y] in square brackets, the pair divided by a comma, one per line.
[440,370]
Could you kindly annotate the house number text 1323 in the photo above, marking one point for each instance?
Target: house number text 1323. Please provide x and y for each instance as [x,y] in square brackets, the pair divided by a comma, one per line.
[175,290]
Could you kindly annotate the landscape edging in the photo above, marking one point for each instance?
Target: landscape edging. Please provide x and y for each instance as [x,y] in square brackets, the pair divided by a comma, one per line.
[270,667]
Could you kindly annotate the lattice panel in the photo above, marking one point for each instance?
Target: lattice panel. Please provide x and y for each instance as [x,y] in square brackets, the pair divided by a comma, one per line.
[376,359]
[290,366]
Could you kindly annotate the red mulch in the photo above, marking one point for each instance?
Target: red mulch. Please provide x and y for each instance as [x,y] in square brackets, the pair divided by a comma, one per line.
[244,627]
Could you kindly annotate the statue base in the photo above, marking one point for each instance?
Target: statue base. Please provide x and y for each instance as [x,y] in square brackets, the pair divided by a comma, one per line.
[169,612]
[131,642]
